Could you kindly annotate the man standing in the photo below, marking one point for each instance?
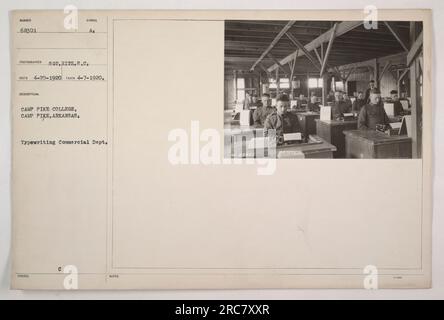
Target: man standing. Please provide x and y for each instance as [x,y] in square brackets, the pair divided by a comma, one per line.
[373,113]
[359,102]
[371,86]
[281,120]
[261,112]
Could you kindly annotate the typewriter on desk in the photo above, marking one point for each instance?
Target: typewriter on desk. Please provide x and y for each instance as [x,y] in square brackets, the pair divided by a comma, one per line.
[348,116]
[290,138]
[392,129]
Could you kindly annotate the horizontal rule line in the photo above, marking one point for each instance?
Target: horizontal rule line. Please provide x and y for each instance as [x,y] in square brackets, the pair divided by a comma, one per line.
[226,274]
[61,48]
[53,65]
[64,32]
[62,80]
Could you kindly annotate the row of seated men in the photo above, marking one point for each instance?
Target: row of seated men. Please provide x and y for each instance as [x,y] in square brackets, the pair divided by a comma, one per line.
[264,108]
[279,119]
[369,110]
[343,104]
[301,102]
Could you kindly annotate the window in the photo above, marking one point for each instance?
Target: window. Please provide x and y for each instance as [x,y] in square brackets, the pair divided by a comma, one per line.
[284,83]
[339,86]
[240,95]
[273,84]
[240,83]
[315,83]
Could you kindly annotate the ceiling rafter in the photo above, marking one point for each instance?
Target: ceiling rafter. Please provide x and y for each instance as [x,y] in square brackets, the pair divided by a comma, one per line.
[273,43]
[341,28]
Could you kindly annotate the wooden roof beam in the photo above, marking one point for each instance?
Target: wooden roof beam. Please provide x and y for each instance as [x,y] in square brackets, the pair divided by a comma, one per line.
[303,49]
[387,65]
[414,50]
[318,56]
[349,73]
[280,65]
[342,28]
[394,30]
[402,75]
[273,43]
[330,45]
[265,69]
[292,66]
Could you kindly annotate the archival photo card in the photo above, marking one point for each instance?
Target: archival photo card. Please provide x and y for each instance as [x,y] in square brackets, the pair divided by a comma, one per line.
[186,149]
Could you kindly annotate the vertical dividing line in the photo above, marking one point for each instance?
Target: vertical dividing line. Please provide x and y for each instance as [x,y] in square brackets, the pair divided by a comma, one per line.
[107,153]
[112,158]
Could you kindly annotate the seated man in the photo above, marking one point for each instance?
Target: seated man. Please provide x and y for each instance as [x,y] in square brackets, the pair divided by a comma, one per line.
[254,102]
[359,102]
[261,113]
[313,105]
[373,113]
[339,107]
[397,106]
[301,102]
[281,120]
[331,96]
[347,101]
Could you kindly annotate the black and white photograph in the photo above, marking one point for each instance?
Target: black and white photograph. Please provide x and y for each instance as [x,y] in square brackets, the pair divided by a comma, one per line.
[326,89]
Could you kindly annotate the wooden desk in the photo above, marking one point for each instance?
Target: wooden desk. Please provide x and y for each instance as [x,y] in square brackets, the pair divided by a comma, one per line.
[307,122]
[370,144]
[332,131]
[233,133]
[319,149]
[316,147]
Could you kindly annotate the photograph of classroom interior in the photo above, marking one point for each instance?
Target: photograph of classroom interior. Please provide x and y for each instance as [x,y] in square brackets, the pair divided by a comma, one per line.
[328,89]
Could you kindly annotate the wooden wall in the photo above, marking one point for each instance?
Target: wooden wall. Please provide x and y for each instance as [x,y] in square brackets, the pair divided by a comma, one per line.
[387,82]
[362,77]
[229,92]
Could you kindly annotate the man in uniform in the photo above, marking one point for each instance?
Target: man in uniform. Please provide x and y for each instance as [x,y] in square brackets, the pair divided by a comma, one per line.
[281,120]
[359,102]
[301,102]
[261,113]
[254,102]
[313,105]
[339,107]
[331,96]
[373,113]
[397,106]
[371,86]
[347,101]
